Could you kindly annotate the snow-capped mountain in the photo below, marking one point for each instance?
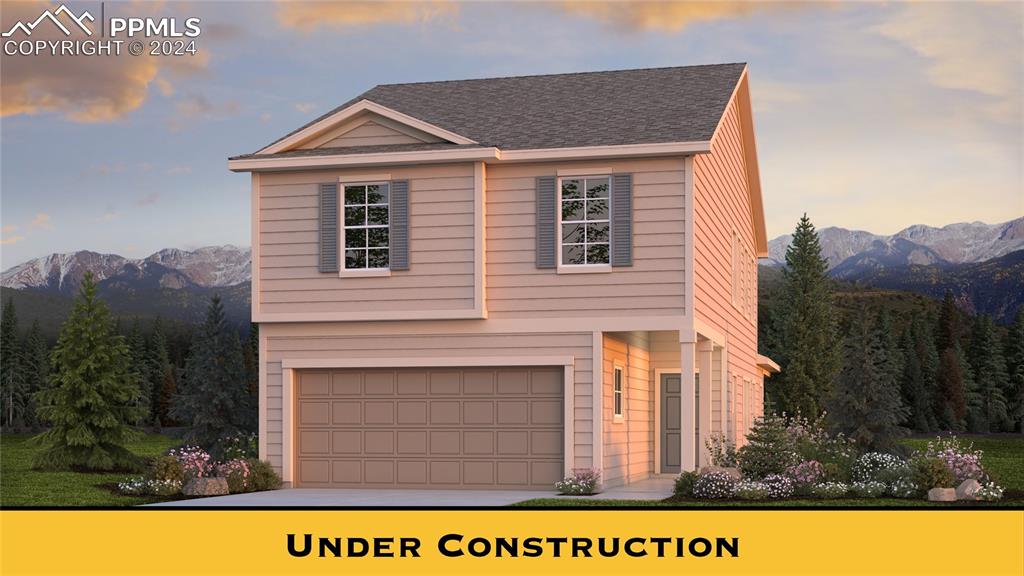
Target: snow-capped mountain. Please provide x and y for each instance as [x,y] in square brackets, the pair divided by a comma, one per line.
[965,242]
[211,266]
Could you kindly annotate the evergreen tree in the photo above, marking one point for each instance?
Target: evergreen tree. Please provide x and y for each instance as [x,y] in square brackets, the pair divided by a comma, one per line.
[251,353]
[137,350]
[988,413]
[36,368]
[161,375]
[92,394]
[915,394]
[1014,353]
[804,336]
[953,377]
[13,399]
[769,449]
[214,401]
[866,405]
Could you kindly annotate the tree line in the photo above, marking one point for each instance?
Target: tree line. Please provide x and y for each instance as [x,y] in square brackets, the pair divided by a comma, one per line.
[875,374]
[99,383]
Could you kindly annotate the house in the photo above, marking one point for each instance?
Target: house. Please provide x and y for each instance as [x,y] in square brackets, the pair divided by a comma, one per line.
[489,283]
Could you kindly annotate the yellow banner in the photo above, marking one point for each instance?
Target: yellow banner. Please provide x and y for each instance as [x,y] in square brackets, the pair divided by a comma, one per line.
[511,542]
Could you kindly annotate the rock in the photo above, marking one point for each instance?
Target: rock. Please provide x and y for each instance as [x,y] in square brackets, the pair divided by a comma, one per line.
[968,489]
[206,487]
[733,473]
[942,495]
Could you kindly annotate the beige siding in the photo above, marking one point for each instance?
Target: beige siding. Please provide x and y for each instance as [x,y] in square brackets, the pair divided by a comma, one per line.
[629,441]
[425,339]
[722,205]
[516,288]
[370,134]
[440,275]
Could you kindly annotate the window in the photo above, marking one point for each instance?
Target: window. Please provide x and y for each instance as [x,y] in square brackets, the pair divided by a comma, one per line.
[730,432]
[617,392]
[366,227]
[583,222]
[735,269]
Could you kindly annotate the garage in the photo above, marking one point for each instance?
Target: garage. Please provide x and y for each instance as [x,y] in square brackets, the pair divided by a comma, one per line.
[444,428]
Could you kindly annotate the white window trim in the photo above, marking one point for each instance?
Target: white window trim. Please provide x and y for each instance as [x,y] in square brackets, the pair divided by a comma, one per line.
[619,417]
[361,272]
[581,268]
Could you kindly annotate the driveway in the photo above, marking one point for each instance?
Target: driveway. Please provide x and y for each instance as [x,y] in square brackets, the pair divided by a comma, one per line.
[656,488]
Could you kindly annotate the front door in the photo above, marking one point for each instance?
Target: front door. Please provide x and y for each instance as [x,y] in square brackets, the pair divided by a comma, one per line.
[670,423]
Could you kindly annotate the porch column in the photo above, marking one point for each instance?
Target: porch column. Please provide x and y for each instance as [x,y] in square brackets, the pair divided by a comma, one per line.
[687,365]
[704,349]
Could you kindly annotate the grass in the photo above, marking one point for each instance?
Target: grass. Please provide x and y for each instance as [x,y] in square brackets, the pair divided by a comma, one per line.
[1003,458]
[20,485]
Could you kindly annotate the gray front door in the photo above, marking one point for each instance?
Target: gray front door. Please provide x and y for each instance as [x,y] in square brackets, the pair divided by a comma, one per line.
[670,422]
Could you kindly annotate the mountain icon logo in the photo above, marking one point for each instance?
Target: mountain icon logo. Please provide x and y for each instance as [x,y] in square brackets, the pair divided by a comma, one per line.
[28,28]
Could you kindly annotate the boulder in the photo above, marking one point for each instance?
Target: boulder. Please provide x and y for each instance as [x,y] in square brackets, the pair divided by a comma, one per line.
[942,495]
[968,489]
[733,473]
[206,487]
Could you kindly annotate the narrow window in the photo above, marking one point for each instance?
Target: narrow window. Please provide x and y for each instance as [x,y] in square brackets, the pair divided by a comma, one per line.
[735,270]
[617,392]
[366,227]
[584,222]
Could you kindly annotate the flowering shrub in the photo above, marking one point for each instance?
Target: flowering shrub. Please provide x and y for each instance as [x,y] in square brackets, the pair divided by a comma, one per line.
[903,488]
[872,465]
[931,473]
[962,461]
[713,486]
[751,490]
[779,486]
[684,485]
[868,489]
[240,446]
[989,491]
[237,474]
[829,490]
[722,451]
[195,462]
[805,474]
[581,481]
[166,468]
[141,486]
[835,452]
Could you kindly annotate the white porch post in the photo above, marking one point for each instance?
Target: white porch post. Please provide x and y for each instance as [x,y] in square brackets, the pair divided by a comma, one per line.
[704,350]
[687,364]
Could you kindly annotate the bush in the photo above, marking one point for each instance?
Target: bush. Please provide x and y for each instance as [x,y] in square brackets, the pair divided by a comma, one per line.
[751,490]
[721,451]
[769,449]
[262,476]
[868,489]
[989,491]
[835,452]
[714,486]
[684,485]
[872,466]
[903,488]
[581,482]
[143,486]
[237,474]
[779,486]
[804,475]
[240,446]
[963,461]
[166,468]
[195,462]
[829,490]
[931,473]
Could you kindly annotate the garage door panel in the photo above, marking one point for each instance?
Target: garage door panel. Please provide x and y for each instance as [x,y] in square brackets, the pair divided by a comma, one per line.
[430,428]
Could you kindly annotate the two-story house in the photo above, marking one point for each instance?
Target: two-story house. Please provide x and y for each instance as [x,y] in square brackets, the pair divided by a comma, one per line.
[489,283]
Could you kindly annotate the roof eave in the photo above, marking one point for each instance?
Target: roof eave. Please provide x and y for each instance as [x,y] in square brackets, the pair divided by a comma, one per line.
[258,164]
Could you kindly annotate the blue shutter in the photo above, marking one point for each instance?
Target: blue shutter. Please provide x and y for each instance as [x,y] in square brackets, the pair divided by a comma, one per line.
[329,227]
[547,201]
[622,220]
[398,219]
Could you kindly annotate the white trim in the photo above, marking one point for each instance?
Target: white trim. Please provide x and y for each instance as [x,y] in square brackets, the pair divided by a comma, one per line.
[363,272]
[290,365]
[619,417]
[410,157]
[582,268]
[480,239]
[254,254]
[620,150]
[342,248]
[597,404]
[368,315]
[314,129]
[350,179]
[705,363]
[263,407]
[708,332]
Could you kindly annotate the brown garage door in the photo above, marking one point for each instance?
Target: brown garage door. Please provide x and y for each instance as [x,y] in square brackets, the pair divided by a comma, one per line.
[480,428]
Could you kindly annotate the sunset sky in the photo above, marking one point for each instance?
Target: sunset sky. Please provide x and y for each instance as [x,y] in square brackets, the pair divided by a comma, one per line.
[868,116]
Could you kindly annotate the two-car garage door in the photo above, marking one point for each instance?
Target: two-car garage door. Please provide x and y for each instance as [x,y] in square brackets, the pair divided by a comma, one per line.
[482,428]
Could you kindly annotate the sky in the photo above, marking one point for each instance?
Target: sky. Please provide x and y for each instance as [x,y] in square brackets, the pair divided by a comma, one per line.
[870,116]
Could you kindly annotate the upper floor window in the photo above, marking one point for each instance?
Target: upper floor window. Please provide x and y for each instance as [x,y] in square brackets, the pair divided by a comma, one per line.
[365,234]
[584,222]
[617,393]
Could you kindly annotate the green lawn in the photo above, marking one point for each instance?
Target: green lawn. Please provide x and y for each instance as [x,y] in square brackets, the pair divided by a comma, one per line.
[1003,458]
[20,485]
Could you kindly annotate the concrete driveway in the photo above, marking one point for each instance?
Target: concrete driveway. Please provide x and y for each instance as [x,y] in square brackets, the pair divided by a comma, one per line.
[656,488]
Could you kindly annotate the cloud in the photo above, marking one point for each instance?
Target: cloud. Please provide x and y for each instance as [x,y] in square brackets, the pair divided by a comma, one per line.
[189,109]
[41,220]
[11,240]
[82,88]
[149,199]
[305,107]
[306,16]
[8,228]
[670,16]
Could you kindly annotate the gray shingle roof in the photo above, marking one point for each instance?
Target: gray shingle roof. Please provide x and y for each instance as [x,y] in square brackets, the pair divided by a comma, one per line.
[653,105]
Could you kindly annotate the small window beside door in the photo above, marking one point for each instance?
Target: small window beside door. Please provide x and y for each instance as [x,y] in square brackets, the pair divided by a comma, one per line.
[617,392]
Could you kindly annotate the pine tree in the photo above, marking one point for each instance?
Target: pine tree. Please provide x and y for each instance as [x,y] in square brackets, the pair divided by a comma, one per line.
[915,393]
[866,405]
[805,332]
[769,449]
[161,375]
[1014,354]
[953,376]
[251,352]
[13,399]
[214,401]
[137,350]
[36,368]
[92,394]
[988,413]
